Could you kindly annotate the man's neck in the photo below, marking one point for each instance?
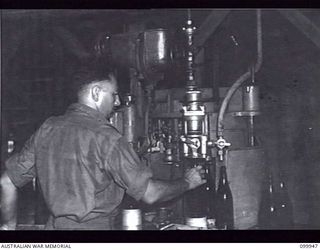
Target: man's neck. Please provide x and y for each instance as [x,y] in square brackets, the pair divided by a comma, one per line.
[87,103]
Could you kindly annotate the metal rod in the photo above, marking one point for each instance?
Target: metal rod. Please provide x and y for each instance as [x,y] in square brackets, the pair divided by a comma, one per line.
[251,131]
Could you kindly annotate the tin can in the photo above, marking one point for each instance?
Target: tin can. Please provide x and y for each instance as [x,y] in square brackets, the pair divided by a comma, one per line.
[131,219]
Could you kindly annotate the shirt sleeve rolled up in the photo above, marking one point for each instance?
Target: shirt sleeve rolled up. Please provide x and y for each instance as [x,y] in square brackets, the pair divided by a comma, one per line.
[21,166]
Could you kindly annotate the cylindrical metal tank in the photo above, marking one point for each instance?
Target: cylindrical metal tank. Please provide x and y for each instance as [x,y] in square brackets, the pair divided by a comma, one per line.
[246,171]
[154,50]
[148,52]
[250,98]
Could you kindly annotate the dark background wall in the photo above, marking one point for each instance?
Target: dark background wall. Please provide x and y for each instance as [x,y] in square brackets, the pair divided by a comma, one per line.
[40,49]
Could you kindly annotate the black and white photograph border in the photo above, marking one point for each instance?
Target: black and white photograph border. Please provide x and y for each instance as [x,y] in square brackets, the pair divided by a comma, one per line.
[217,108]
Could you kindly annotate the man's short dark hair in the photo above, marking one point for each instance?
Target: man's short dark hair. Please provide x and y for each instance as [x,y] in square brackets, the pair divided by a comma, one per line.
[87,75]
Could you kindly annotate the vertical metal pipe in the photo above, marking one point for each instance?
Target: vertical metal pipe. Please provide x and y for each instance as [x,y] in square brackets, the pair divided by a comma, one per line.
[251,139]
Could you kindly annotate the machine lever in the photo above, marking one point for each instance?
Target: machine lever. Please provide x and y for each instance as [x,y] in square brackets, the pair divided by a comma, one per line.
[194,143]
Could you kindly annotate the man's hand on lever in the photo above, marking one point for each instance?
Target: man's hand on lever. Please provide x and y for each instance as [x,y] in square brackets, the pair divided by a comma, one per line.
[193,177]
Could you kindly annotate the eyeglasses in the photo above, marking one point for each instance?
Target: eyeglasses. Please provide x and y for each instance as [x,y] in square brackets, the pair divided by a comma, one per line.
[115,94]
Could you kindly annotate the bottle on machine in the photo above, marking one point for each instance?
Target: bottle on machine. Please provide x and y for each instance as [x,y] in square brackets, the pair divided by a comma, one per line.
[224,202]
[210,187]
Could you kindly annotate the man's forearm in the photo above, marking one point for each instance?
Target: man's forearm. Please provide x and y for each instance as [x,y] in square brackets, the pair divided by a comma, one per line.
[8,203]
[159,190]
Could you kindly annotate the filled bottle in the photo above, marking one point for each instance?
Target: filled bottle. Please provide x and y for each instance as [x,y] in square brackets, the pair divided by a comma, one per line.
[268,211]
[285,209]
[210,187]
[224,202]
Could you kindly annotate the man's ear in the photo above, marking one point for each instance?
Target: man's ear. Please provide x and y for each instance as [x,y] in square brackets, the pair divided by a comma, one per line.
[95,90]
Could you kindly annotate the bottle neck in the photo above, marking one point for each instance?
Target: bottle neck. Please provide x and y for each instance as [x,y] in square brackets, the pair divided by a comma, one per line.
[271,191]
[270,184]
[223,176]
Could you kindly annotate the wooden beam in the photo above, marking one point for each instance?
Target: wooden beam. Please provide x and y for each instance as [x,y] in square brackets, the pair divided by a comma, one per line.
[208,27]
[304,24]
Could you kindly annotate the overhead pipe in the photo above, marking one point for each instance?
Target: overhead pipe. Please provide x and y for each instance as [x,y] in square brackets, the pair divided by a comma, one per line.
[241,79]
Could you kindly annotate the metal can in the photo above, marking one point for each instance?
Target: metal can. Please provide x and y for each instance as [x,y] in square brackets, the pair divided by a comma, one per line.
[131,219]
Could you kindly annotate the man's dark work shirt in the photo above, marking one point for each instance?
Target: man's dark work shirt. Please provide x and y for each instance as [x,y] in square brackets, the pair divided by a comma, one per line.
[83,165]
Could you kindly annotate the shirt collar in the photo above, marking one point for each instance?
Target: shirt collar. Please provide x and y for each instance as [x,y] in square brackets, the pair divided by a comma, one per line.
[86,110]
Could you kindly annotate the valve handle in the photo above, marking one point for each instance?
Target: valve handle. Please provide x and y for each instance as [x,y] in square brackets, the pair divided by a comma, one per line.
[222,143]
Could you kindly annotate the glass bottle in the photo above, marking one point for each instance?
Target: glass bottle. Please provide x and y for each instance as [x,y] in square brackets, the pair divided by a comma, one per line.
[268,212]
[196,196]
[210,187]
[285,209]
[224,202]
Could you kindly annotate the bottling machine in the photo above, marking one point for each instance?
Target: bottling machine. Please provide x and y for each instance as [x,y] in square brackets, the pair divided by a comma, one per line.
[178,128]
